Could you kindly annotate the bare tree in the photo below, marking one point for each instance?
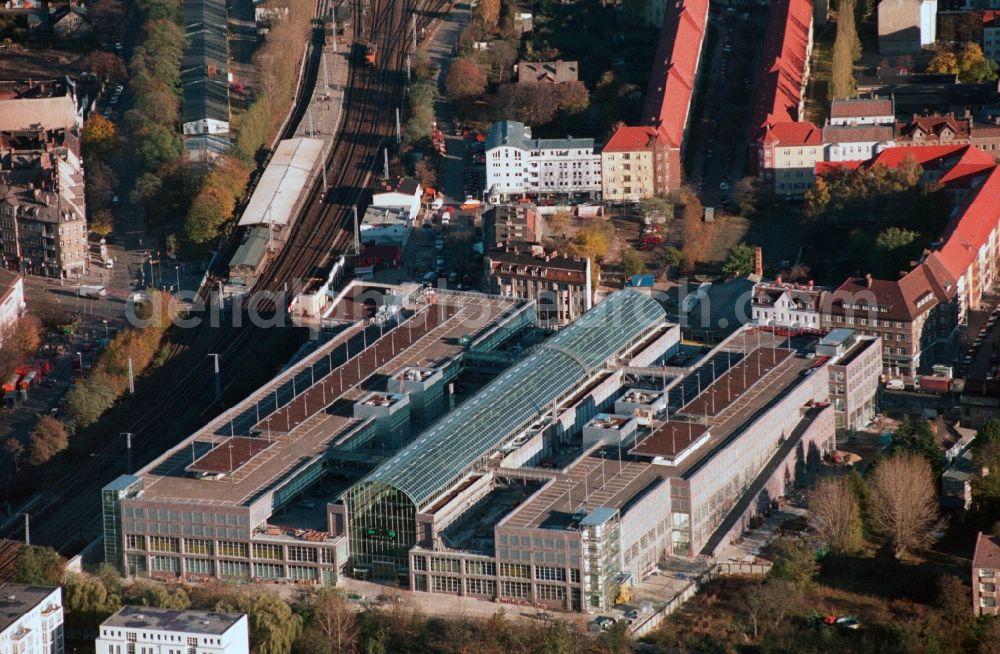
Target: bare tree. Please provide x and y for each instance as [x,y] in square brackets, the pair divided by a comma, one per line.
[904,502]
[835,515]
[334,627]
[766,604]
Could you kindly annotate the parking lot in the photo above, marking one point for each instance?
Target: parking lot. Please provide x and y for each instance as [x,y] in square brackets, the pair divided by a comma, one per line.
[981,359]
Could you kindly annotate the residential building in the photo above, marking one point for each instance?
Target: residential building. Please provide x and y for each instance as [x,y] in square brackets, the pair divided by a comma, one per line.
[149,630]
[384,226]
[924,93]
[789,152]
[31,619]
[513,223]
[547,72]
[517,164]
[561,286]
[906,26]
[934,130]
[956,484]
[632,163]
[12,304]
[862,111]
[782,304]
[854,377]
[991,34]
[985,572]
[856,142]
[405,195]
[673,83]
[41,233]
[951,437]
[51,104]
[205,79]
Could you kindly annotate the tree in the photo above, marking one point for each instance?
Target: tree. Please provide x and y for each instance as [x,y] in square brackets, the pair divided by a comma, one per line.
[145,593]
[15,449]
[99,185]
[146,189]
[156,146]
[974,66]
[670,257]
[99,138]
[766,604]
[426,173]
[746,194]
[894,238]
[817,199]
[919,439]
[273,626]
[106,65]
[88,602]
[102,222]
[48,438]
[632,263]
[464,80]
[108,18]
[40,566]
[593,240]
[945,62]
[835,515]
[489,12]
[210,209]
[740,261]
[904,502]
[846,49]
[574,98]
[793,561]
[989,432]
[333,627]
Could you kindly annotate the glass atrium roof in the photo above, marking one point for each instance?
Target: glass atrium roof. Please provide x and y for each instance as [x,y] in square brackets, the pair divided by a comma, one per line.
[448,449]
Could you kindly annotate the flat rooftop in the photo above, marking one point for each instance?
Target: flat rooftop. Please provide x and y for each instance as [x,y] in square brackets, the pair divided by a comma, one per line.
[18,599]
[608,477]
[194,622]
[288,438]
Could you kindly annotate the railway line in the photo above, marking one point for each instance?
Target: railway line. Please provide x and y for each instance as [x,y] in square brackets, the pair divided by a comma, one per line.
[68,517]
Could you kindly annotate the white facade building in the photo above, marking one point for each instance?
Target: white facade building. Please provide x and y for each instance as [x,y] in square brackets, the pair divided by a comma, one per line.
[862,111]
[778,304]
[31,619]
[516,163]
[856,142]
[11,300]
[148,630]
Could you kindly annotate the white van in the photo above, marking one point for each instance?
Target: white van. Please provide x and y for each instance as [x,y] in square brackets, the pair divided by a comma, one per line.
[895,385]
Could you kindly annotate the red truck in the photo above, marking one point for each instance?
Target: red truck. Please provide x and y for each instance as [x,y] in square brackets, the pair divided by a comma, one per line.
[934,384]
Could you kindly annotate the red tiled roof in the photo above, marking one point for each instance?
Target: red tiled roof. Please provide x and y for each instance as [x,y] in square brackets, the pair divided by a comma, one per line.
[991,18]
[971,226]
[779,89]
[675,68]
[926,155]
[789,133]
[630,139]
[895,300]
[934,125]
[987,552]
[861,107]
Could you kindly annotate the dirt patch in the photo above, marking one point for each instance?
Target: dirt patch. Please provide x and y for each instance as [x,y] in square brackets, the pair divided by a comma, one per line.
[18,63]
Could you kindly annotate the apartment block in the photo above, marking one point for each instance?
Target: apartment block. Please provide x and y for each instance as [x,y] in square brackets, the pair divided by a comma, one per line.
[517,164]
[150,630]
[632,165]
[985,572]
[561,287]
[31,619]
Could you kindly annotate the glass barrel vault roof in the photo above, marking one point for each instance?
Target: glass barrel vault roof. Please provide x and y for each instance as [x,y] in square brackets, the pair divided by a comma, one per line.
[447,450]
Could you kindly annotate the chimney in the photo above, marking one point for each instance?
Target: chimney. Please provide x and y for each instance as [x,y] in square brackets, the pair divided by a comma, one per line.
[868,280]
[809,284]
[777,280]
[758,261]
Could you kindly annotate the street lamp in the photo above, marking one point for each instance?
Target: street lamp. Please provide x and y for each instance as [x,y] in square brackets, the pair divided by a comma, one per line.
[177,269]
[106,333]
[79,358]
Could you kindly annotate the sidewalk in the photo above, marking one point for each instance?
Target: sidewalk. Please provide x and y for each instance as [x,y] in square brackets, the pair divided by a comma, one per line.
[440,49]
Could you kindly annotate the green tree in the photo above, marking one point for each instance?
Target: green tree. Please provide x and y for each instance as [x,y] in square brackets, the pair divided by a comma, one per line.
[632,263]
[747,195]
[894,238]
[670,258]
[846,49]
[99,138]
[89,400]
[210,209]
[146,593]
[156,145]
[87,600]
[794,561]
[919,439]
[39,566]
[273,626]
[974,66]
[740,261]
[48,438]
[989,432]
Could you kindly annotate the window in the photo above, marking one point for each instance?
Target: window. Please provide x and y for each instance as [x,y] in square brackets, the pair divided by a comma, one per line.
[234,569]
[267,551]
[515,570]
[301,572]
[446,584]
[481,587]
[299,553]
[546,592]
[987,588]
[550,574]
[515,589]
[233,548]
[420,563]
[163,544]
[268,570]
[198,566]
[988,602]
[485,568]
[439,564]
[197,546]
[135,542]
[164,564]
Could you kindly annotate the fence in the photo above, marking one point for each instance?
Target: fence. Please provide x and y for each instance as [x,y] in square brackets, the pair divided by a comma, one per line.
[652,621]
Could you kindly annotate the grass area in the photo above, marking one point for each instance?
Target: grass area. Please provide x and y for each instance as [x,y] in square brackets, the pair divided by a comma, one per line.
[817,106]
[726,233]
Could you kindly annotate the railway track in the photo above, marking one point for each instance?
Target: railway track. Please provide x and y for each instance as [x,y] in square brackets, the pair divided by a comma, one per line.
[69,516]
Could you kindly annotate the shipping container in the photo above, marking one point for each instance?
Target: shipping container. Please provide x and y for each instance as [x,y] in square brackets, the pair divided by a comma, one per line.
[934,384]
